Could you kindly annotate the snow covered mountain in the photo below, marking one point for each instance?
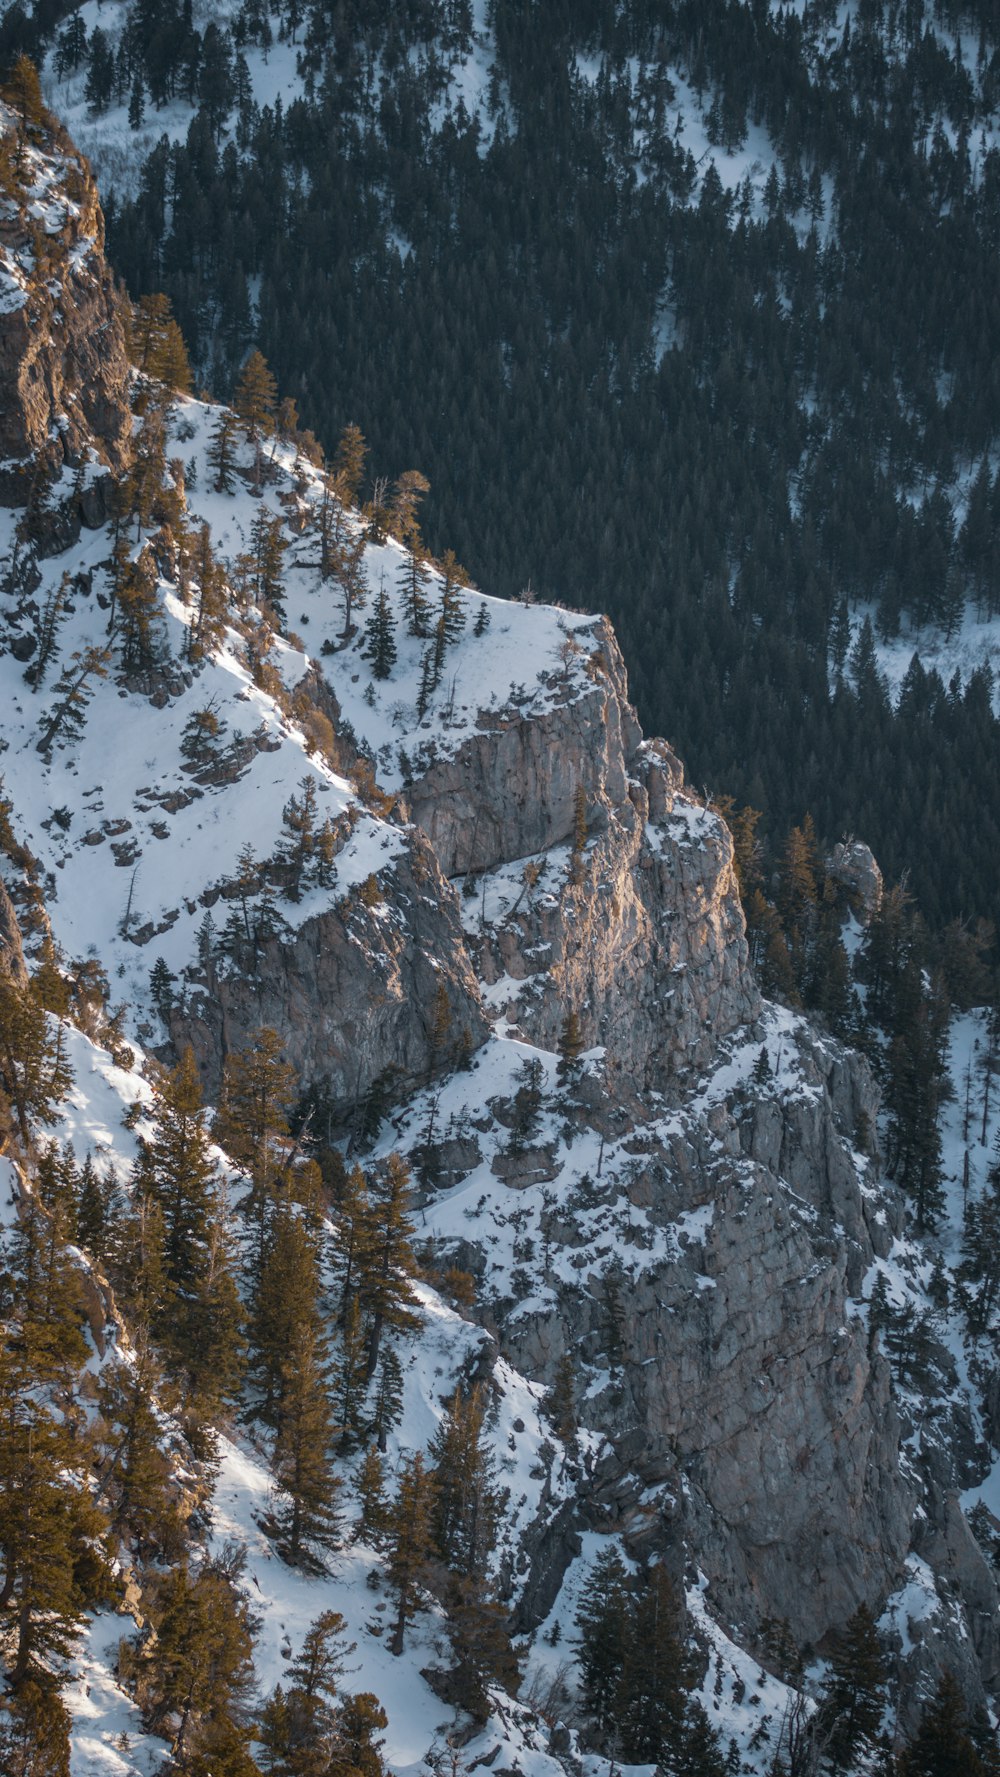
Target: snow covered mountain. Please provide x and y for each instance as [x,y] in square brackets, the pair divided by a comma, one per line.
[495,934]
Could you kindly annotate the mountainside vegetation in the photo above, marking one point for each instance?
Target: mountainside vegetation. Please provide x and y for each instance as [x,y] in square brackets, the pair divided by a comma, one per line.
[688,312]
[399,1275]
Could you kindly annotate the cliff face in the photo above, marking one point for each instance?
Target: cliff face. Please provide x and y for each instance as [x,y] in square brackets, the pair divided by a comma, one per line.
[687,1215]
[353,993]
[63,368]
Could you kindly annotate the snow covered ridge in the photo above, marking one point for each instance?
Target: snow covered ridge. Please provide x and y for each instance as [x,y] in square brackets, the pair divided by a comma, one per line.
[651,1233]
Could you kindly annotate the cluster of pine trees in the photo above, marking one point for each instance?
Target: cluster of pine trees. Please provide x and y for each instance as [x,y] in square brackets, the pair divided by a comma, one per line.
[721,475]
[286,1309]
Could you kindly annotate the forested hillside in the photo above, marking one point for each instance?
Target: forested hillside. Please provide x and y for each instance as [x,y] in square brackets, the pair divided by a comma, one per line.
[688,312]
[449,1318]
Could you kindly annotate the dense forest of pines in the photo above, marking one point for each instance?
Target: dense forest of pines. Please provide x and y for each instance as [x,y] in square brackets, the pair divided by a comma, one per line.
[721,415]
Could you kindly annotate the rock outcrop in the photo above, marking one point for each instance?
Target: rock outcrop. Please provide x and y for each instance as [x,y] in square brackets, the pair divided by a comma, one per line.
[510,790]
[352,993]
[63,368]
[641,935]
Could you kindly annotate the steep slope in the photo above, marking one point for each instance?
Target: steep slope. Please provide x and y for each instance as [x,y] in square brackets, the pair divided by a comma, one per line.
[638,1162]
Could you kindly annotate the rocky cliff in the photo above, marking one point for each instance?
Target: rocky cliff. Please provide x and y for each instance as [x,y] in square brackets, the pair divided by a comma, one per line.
[691,1209]
[63,368]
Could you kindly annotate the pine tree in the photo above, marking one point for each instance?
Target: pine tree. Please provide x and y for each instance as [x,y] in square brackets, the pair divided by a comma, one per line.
[369,1489]
[136,1262]
[208,625]
[440,1024]
[256,396]
[149,320]
[604,1624]
[222,451]
[387,1296]
[979,1272]
[53,613]
[284,1300]
[300,818]
[197,1675]
[414,579]
[23,92]
[410,1543]
[465,1498]
[481,1643]
[138,609]
[136,1481]
[73,693]
[34,1732]
[454,580]
[180,1172]
[350,1372]
[407,493]
[853,1699]
[46,1522]
[361,1719]
[652,1715]
[258,1091]
[941,1745]
[387,1404]
[269,547]
[300,1729]
[92,1225]
[380,645]
[348,568]
[48,1337]
[197,1323]
[349,463]
[300,1461]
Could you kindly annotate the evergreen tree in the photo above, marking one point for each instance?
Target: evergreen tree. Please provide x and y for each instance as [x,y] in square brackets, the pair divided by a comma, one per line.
[454,580]
[387,1403]
[414,579]
[268,547]
[258,1091]
[349,463]
[73,692]
[387,1296]
[465,1498]
[853,1699]
[380,645]
[53,612]
[979,1272]
[653,1713]
[197,1323]
[300,1462]
[300,1728]
[410,1543]
[941,1745]
[284,1301]
[256,396]
[222,451]
[351,1377]
[604,1624]
[369,1488]
[92,1225]
[481,1643]
[197,1675]
[50,1534]
[136,1481]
